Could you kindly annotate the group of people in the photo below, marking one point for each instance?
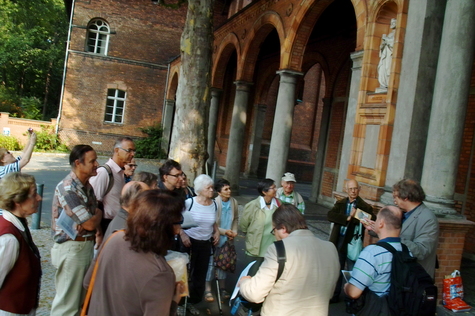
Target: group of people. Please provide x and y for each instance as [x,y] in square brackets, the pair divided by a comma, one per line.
[409,222]
[134,219]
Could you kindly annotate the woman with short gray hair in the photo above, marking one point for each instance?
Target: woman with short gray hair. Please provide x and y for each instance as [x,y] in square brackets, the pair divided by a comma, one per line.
[201,238]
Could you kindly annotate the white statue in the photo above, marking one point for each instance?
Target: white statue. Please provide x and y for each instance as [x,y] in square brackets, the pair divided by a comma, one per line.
[386,57]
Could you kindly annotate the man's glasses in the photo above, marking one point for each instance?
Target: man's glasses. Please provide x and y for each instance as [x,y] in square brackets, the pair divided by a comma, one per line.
[133,151]
[273,231]
[131,165]
[176,175]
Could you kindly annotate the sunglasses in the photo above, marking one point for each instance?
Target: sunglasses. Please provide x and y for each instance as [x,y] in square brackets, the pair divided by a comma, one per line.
[131,165]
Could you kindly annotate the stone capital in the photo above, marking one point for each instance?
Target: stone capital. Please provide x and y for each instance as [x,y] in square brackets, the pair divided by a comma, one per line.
[357,58]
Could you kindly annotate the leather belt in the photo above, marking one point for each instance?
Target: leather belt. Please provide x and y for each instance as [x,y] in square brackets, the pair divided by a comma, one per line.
[81,238]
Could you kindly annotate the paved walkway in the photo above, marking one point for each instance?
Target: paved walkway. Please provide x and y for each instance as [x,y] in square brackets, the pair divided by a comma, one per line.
[43,164]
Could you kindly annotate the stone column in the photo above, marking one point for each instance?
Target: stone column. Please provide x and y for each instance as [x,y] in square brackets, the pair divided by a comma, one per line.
[357,58]
[256,140]
[449,104]
[411,123]
[213,122]
[168,115]
[321,150]
[282,127]
[236,135]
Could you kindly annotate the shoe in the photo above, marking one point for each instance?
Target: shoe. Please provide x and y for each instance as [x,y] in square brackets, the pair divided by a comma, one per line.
[180,311]
[225,295]
[209,297]
[192,309]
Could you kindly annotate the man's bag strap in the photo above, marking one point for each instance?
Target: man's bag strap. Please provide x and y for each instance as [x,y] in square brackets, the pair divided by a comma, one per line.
[111,178]
[281,257]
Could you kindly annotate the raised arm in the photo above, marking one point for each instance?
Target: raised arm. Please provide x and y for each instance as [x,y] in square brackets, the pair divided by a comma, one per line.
[28,151]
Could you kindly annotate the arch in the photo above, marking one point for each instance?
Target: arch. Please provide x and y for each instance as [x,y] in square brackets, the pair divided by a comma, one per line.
[306,19]
[229,44]
[267,22]
[313,58]
[173,85]
[97,37]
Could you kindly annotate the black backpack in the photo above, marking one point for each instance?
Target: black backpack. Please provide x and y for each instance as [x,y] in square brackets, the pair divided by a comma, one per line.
[249,307]
[412,291]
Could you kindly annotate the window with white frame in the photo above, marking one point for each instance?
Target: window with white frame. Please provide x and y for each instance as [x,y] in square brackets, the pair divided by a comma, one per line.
[98,33]
[115,106]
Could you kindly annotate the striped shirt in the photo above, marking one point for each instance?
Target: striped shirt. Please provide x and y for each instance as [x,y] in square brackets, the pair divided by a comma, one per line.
[373,268]
[11,167]
[204,216]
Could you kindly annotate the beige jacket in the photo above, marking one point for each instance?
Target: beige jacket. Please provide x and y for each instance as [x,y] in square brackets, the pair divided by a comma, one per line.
[307,282]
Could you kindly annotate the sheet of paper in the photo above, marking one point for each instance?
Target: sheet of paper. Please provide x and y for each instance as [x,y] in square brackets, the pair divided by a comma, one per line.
[67,224]
[362,215]
[243,273]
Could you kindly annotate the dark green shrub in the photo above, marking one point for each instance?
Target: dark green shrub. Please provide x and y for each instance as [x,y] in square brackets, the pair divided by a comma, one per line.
[151,146]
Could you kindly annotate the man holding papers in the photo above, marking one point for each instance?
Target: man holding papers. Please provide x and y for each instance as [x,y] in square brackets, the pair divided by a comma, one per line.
[76,219]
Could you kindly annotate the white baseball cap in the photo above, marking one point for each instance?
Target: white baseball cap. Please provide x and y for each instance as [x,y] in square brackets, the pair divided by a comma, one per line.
[288,176]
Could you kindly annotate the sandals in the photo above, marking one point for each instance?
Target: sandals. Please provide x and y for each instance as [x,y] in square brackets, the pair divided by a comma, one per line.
[225,295]
[209,297]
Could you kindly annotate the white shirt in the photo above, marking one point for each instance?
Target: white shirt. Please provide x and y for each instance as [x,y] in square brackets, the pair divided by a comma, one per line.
[204,216]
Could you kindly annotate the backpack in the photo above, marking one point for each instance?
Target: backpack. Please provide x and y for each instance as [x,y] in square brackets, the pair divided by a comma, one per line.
[412,291]
[240,303]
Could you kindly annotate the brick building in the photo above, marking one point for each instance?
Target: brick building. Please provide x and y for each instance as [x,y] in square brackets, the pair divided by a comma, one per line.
[296,87]
[117,69]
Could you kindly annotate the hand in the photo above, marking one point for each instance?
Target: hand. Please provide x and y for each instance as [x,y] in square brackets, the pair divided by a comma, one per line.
[230,234]
[179,291]
[185,239]
[216,237]
[368,224]
[244,278]
[32,137]
[99,239]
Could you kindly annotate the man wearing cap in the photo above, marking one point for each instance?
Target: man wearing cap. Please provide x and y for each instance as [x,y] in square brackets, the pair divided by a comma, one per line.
[287,194]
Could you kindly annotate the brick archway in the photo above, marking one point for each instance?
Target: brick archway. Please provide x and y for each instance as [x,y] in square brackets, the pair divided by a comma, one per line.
[229,44]
[258,33]
[306,19]
[173,85]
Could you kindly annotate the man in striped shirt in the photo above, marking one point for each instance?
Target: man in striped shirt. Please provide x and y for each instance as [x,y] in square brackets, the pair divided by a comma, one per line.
[372,270]
[8,162]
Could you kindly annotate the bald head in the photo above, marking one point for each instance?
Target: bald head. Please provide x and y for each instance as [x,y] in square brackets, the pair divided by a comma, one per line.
[389,222]
[130,191]
[353,189]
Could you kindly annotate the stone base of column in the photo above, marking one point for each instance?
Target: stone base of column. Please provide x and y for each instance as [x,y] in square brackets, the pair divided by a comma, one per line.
[450,249]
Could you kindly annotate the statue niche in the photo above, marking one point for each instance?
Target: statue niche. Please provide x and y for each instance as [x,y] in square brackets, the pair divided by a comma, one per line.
[385,58]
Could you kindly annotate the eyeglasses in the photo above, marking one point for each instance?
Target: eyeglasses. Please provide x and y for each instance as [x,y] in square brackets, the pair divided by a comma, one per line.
[131,165]
[176,175]
[273,231]
[133,151]
[180,222]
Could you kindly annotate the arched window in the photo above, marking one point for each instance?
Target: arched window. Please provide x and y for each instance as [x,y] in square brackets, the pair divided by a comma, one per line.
[98,33]
[115,106]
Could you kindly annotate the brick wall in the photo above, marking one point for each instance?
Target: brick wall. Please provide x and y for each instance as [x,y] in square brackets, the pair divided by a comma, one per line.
[144,36]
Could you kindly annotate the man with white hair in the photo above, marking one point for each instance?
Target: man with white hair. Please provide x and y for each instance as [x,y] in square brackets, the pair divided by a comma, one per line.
[287,194]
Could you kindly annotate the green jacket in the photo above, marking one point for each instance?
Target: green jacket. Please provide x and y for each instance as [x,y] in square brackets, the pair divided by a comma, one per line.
[252,223]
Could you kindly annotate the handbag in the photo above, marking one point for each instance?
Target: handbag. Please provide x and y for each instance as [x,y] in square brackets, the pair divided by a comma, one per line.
[225,257]
[356,244]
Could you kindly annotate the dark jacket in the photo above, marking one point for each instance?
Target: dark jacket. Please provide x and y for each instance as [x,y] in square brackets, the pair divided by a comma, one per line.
[337,215]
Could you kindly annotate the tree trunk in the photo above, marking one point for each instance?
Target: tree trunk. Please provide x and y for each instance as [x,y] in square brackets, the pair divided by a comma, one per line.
[190,128]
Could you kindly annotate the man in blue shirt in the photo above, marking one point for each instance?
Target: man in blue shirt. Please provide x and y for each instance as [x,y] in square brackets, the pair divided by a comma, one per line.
[372,270]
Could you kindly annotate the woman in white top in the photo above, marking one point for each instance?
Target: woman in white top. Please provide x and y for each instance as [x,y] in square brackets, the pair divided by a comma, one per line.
[201,238]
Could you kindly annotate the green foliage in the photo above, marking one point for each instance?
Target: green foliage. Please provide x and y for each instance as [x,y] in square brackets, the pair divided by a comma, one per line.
[48,140]
[150,147]
[9,142]
[31,108]
[32,37]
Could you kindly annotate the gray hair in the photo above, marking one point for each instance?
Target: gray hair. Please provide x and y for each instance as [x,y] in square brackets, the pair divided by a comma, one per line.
[201,182]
